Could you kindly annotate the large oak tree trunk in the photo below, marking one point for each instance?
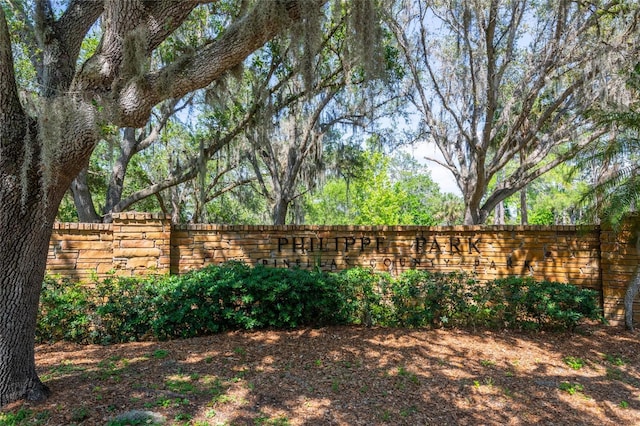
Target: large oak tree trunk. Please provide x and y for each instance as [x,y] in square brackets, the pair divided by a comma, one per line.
[27,213]
[25,242]
[29,202]
[41,155]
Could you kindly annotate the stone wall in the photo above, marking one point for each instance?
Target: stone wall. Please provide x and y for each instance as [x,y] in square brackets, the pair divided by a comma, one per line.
[558,253]
[144,243]
[135,243]
[620,260]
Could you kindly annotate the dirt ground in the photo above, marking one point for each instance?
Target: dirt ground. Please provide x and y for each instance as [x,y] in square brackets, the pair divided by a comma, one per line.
[345,376]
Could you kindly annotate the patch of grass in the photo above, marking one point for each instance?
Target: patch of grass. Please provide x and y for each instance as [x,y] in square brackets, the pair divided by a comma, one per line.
[614,373]
[15,419]
[222,399]
[65,367]
[615,360]
[166,402]
[214,385]
[487,363]
[181,417]
[404,373]
[160,354]
[574,362]
[335,385]
[112,368]
[276,421]
[180,385]
[386,416]
[80,414]
[408,411]
[623,404]
[571,388]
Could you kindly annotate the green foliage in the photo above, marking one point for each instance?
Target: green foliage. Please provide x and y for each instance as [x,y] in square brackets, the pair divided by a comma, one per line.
[383,190]
[421,298]
[574,362]
[233,295]
[65,311]
[533,304]
[554,198]
[571,388]
[616,191]
[15,419]
[365,292]
[236,296]
[123,308]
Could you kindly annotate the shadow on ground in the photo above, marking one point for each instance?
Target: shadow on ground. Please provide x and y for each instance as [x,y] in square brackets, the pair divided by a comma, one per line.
[348,376]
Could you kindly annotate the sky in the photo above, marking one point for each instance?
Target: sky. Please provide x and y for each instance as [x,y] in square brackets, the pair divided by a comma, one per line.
[443,177]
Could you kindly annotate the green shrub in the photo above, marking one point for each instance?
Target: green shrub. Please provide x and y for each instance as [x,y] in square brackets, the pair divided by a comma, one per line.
[421,298]
[285,298]
[124,308]
[66,311]
[236,296]
[365,296]
[530,304]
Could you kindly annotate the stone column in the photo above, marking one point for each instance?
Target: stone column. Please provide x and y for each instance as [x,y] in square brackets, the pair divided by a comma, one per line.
[141,243]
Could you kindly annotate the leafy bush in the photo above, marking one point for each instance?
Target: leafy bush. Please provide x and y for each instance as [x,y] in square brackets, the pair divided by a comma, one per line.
[66,310]
[365,296]
[533,304]
[124,308]
[237,296]
[421,298]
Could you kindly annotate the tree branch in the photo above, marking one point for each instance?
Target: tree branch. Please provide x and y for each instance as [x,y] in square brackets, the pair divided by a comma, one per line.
[228,188]
[76,21]
[10,107]
[190,72]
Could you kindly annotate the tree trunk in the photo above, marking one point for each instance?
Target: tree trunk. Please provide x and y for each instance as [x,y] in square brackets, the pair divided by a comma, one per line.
[83,200]
[472,214]
[119,170]
[499,214]
[524,215]
[25,233]
[20,285]
[30,194]
[629,297]
[26,224]
[280,209]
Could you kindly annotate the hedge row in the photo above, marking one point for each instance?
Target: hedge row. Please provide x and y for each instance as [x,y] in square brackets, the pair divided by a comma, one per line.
[236,296]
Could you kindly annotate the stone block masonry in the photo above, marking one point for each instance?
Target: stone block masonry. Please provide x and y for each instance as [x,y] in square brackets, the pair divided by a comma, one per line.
[135,243]
[143,243]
